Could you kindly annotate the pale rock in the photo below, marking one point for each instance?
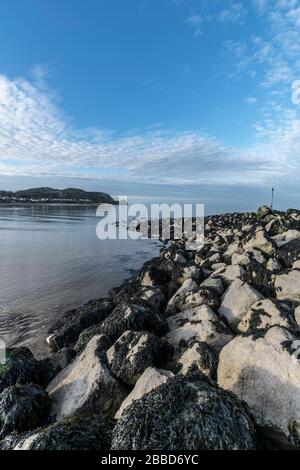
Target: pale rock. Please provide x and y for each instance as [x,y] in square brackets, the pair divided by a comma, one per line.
[242,259]
[149,380]
[297,315]
[287,286]
[264,314]
[236,301]
[216,266]
[199,324]
[296,264]
[286,237]
[265,373]
[229,274]
[231,250]
[25,444]
[83,383]
[261,242]
[189,285]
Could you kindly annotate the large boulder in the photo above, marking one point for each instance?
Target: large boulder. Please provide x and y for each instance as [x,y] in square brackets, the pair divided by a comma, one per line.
[80,432]
[203,295]
[150,379]
[133,317]
[229,274]
[198,324]
[20,368]
[286,237]
[236,301]
[189,286]
[264,314]
[86,384]
[265,373]
[22,408]
[287,286]
[134,352]
[186,412]
[261,240]
[264,211]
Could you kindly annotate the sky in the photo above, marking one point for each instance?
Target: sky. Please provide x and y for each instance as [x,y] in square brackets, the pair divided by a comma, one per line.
[178,99]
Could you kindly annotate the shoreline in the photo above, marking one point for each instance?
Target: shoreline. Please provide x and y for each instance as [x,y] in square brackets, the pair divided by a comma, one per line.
[55,204]
[188,325]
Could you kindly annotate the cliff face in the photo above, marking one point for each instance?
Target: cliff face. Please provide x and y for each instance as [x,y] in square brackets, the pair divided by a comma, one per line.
[71,195]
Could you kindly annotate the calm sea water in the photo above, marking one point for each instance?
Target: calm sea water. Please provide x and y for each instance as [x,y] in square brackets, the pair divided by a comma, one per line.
[51,261]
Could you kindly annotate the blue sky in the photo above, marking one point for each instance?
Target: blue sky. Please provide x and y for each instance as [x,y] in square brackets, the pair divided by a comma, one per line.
[152,94]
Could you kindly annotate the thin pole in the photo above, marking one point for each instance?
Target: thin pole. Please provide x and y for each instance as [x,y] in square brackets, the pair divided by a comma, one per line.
[272,198]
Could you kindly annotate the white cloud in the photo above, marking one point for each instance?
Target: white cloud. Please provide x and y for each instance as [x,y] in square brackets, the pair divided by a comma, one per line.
[195,22]
[235,13]
[37,139]
[251,100]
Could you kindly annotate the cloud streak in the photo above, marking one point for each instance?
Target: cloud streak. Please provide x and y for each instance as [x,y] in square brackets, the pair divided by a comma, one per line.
[37,139]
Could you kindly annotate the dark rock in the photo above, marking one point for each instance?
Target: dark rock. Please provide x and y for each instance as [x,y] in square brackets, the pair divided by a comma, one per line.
[185,413]
[51,366]
[132,292]
[289,253]
[90,314]
[62,358]
[79,432]
[88,334]
[264,211]
[134,351]
[20,368]
[260,278]
[133,317]
[155,273]
[22,408]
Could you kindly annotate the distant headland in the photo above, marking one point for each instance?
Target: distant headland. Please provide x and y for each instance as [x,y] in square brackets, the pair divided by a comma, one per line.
[46,195]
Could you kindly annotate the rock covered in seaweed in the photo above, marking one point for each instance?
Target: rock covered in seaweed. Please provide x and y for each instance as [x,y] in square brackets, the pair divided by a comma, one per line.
[150,379]
[185,413]
[78,320]
[134,352]
[198,357]
[22,408]
[20,368]
[133,317]
[79,432]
